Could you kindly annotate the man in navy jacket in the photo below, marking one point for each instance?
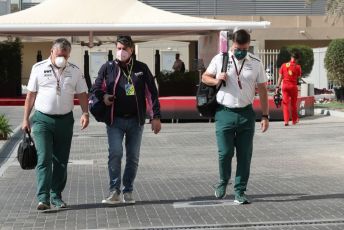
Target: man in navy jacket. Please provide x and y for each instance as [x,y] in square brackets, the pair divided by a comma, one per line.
[128,89]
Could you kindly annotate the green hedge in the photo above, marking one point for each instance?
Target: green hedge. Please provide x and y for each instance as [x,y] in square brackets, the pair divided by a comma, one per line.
[306,61]
[177,84]
[10,68]
[334,62]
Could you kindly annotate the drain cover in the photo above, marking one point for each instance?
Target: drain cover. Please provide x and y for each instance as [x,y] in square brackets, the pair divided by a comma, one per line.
[202,203]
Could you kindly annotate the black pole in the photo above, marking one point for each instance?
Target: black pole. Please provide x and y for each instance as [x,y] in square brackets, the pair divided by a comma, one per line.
[39,56]
[157,63]
[110,56]
[87,70]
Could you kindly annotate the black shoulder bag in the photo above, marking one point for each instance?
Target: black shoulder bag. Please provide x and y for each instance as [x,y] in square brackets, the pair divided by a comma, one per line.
[27,154]
[206,95]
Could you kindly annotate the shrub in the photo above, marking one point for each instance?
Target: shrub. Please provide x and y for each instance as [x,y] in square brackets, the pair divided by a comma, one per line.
[306,61]
[178,84]
[334,62]
[10,68]
[5,128]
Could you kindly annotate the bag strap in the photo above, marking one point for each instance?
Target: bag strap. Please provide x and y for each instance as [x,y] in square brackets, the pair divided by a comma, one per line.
[29,135]
[225,58]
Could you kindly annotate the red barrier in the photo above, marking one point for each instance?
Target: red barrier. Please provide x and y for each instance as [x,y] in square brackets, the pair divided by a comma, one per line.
[179,107]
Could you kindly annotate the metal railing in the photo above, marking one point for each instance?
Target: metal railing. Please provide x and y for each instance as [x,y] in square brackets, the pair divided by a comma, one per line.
[269,59]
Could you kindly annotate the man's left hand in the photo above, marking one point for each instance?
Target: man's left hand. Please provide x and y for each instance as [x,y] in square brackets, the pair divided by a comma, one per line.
[156,126]
[264,124]
[84,120]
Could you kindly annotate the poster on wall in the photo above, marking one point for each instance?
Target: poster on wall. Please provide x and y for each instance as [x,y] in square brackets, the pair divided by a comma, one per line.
[97,59]
[167,60]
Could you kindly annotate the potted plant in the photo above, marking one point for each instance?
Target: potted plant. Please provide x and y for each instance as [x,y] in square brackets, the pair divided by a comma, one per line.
[5,128]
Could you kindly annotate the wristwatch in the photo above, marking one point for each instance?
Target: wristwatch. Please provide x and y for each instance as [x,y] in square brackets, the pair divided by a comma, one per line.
[266,116]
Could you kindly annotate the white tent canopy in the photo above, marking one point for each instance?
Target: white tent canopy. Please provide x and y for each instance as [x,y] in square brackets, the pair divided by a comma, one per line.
[109,17]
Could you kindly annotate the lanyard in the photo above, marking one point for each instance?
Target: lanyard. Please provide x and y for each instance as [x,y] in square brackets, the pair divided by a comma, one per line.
[238,72]
[129,72]
[58,78]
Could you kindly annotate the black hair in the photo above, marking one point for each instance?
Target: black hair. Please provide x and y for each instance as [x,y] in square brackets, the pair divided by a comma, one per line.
[296,55]
[125,40]
[241,37]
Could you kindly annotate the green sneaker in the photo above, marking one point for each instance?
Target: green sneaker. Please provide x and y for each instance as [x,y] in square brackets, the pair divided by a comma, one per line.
[241,198]
[58,203]
[220,190]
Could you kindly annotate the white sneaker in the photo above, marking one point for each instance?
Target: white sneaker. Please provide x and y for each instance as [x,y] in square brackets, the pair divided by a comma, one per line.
[114,198]
[128,198]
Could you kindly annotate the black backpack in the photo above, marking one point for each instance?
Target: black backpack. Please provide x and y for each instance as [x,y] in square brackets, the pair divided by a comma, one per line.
[206,95]
[27,154]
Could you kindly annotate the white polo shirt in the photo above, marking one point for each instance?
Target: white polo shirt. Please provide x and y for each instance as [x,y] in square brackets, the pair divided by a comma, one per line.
[252,73]
[43,81]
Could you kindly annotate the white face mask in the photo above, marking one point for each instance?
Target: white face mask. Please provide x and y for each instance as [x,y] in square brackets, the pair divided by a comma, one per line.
[60,62]
[122,55]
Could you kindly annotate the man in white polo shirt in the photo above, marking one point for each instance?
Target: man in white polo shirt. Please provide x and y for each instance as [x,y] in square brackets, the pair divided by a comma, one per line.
[235,118]
[51,89]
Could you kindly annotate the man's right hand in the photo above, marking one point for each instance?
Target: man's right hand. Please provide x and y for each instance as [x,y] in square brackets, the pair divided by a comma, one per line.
[277,90]
[26,125]
[108,99]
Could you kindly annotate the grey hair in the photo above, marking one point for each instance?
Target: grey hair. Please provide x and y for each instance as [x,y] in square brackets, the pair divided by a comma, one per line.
[62,44]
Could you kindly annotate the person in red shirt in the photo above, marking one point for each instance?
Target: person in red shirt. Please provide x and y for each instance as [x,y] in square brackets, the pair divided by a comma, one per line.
[289,74]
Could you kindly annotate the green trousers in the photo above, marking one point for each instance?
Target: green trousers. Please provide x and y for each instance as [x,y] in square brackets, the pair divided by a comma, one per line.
[235,130]
[53,138]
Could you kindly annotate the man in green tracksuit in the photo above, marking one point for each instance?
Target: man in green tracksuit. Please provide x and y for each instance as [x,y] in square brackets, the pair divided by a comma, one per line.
[235,118]
[51,88]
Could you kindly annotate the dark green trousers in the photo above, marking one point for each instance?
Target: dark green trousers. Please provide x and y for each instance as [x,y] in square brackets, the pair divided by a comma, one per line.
[235,130]
[53,138]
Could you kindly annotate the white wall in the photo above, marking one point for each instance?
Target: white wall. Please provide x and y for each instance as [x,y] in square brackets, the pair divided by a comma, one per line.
[318,76]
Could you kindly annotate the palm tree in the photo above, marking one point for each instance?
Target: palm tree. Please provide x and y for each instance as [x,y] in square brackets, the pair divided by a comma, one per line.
[334,8]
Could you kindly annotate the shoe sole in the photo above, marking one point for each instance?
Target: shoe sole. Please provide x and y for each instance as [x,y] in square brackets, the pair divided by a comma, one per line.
[62,206]
[43,207]
[110,202]
[241,203]
[129,202]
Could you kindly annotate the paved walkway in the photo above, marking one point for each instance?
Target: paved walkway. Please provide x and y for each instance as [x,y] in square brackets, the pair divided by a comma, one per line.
[296,182]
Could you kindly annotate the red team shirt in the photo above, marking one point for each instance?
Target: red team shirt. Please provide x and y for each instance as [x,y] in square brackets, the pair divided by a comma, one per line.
[290,72]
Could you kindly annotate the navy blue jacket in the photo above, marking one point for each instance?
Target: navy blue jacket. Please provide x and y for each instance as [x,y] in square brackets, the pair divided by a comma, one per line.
[146,92]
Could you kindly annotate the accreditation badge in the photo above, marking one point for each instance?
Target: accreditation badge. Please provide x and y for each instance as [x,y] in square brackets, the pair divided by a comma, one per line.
[129,89]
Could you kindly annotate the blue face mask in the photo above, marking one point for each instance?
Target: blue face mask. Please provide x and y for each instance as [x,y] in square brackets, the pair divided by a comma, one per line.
[240,54]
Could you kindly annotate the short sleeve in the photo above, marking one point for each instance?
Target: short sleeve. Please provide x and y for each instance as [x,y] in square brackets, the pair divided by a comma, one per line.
[32,85]
[81,86]
[212,68]
[261,74]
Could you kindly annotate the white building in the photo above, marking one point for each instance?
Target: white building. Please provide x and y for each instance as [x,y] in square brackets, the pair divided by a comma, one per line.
[5,7]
